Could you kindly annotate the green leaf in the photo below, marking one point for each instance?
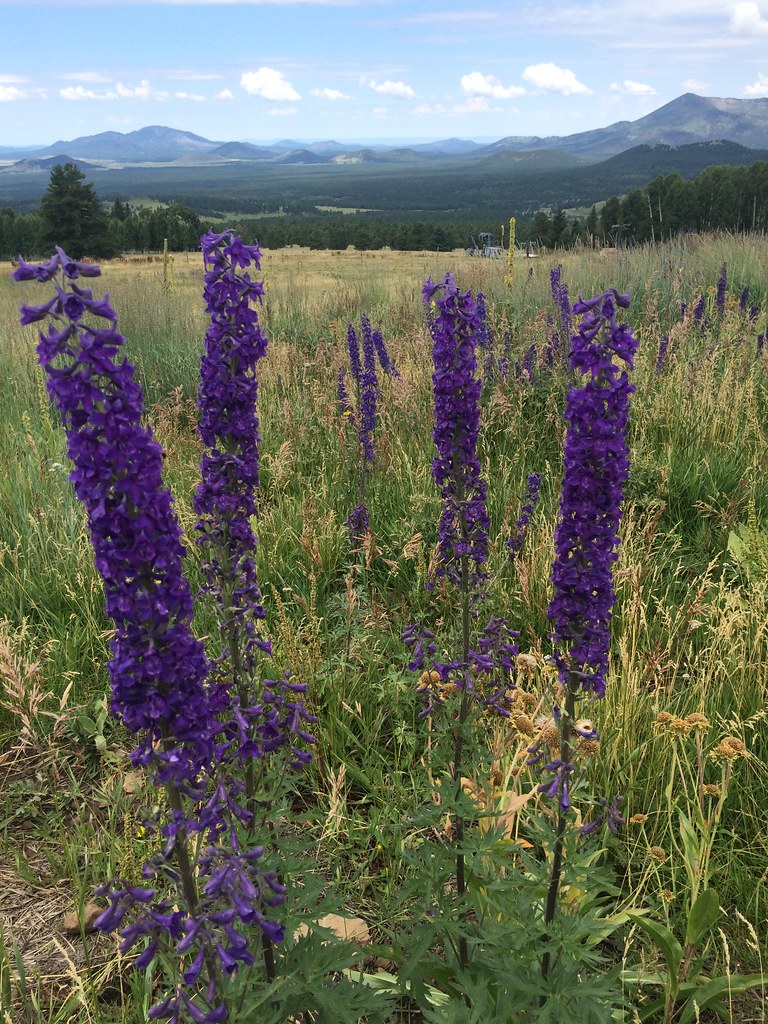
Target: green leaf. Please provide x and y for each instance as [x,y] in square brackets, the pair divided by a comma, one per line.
[86,725]
[704,912]
[719,988]
[670,948]
[736,546]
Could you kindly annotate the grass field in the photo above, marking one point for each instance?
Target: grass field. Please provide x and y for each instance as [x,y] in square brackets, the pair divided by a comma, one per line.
[690,630]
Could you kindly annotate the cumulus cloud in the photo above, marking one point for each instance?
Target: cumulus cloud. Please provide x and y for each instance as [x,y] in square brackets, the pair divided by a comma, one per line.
[9,93]
[195,97]
[746,20]
[477,84]
[630,88]
[398,89]
[475,105]
[551,78]
[268,84]
[760,87]
[79,92]
[329,94]
[143,91]
[225,94]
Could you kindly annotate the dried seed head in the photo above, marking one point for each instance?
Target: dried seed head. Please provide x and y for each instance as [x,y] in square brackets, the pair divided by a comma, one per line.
[658,854]
[729,749]
[697,721]
[638,819]
[526,663]
[587,748]
[522,723]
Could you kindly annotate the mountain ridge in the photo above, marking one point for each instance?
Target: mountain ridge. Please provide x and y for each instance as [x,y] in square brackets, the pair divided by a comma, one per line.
[687,119]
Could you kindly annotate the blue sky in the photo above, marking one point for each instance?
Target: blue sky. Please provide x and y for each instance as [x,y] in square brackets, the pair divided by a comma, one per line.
[365,69]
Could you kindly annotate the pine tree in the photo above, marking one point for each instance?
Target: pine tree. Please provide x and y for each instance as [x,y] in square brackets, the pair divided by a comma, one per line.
[73,217]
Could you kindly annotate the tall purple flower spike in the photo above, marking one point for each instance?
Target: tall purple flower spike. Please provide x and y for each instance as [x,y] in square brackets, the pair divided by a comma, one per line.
[463,528]
[596,469]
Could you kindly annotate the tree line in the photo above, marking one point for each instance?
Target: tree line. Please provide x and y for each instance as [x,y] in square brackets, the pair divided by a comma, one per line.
[728,198]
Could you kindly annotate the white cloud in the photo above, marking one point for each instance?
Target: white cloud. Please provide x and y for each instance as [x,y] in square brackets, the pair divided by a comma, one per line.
[746,20]
[760,88]
[329,94]
[426,110]
[12,80]
[475,105]
[269,84]
[225,94]
[84,76]
[694,85]
[551,78]
[194,96]
[283,111]
[9,93]
[477,84]
[388,88]
[79,92]
[630,88]
[143,91]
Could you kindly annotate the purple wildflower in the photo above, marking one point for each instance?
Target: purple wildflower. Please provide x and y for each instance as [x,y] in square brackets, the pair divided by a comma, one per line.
[358,521]
[463,529]
[562,302]
[596,468]
[381,351]
[158,669]
[744,298]
[722,285]
[342,395]
[609,816]
[530,501]
[369,392]
[229,428]
[529,363]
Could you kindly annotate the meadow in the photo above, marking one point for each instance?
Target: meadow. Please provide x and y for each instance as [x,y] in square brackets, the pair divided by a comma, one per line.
[689,634]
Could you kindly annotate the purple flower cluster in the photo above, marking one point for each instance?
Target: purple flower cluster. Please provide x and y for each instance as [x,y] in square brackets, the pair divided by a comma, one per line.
[358,522]
[722,292]
[369,391]
[385,362]
[158,669]
[562,302]
[229,428]
[528,507]
[192,724]
[596,468]
[463,528]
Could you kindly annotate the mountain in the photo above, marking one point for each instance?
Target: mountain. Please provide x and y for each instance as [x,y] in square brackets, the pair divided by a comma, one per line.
[46,163]
[687,119]
[244,151]
[154,144]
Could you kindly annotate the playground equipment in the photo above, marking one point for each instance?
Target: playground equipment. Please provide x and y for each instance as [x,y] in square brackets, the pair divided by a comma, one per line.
[487,247]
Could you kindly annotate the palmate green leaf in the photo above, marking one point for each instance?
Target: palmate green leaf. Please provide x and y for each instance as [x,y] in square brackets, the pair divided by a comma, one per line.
[719,988]
[670,948]
[704,912]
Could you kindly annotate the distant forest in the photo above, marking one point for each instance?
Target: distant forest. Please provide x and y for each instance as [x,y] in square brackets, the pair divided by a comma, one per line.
[728,198]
